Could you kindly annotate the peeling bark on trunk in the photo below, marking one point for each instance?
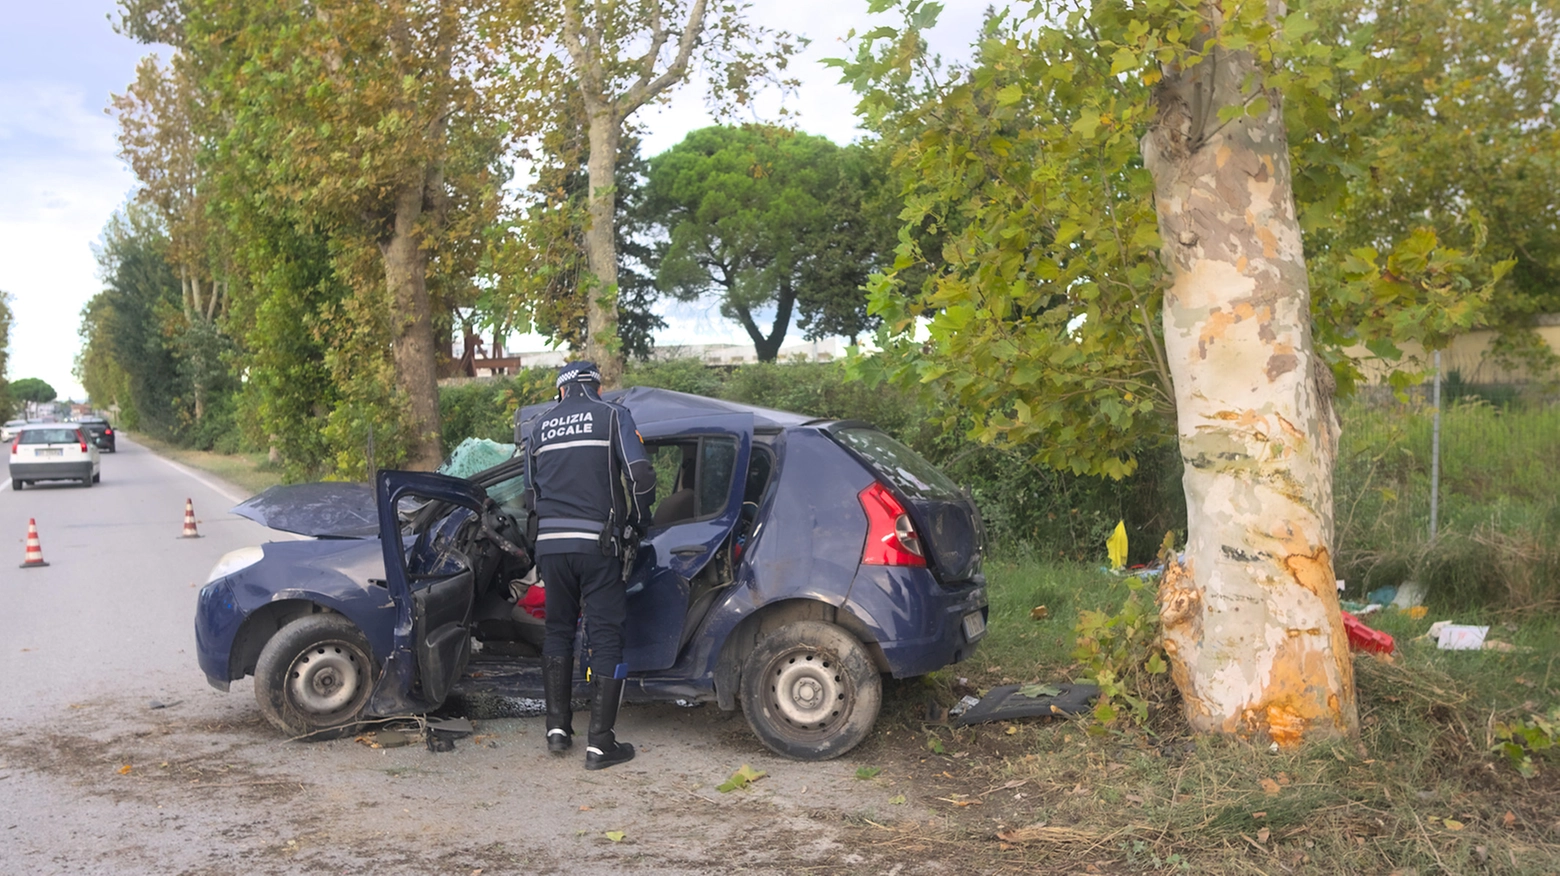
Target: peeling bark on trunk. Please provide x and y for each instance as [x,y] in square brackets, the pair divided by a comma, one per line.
[601,313]
[412,344]
[1251,621]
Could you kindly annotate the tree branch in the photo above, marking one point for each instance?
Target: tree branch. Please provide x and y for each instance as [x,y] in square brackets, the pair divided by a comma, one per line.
[641,92]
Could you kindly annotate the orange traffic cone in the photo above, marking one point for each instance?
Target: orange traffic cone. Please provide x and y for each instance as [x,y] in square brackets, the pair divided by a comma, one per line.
[189,520]
[34,557]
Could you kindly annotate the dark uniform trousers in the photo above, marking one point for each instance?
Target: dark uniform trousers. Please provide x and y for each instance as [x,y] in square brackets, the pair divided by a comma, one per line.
[597,581]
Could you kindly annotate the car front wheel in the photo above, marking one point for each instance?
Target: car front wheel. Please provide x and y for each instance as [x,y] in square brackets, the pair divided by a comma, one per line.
[314,676]
[810,691]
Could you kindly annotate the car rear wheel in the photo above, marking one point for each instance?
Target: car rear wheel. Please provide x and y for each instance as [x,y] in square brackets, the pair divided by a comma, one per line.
[97,477]
[88,481]
[16,484]
[810,691]
[314,676]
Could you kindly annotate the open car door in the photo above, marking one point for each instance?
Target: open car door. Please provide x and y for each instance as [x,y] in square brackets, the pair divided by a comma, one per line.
[432,586]
[701,473]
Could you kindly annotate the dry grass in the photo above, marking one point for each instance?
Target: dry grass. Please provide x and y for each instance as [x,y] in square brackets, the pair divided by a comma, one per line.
[1416,791]
[250,471]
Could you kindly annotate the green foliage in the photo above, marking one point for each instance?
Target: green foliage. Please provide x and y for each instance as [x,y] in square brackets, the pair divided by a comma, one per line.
[1518,741]
[766,217]
[1496,547]
[1029,213]
[486,408]
[1122,654]
[33,389]
[6,398]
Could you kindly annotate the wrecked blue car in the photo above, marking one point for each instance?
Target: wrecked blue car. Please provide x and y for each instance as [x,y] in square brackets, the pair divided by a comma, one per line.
[792,562]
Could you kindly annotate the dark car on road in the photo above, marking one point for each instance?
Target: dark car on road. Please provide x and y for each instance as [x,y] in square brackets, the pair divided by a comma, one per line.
[791,563]
[99,432]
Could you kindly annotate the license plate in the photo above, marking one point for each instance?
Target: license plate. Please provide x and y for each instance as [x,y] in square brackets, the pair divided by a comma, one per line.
[50,451]
[974,626]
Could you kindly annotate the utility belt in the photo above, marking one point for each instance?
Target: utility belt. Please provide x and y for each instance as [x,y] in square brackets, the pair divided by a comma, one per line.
[575,532]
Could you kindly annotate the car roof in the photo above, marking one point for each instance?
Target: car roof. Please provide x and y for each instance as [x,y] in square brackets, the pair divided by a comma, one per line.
[48,426]
[651,406]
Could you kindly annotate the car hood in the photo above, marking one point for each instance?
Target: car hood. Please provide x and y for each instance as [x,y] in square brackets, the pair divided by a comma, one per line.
[323,510]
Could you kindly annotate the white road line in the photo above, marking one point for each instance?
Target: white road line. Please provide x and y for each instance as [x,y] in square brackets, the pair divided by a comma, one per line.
[222,491]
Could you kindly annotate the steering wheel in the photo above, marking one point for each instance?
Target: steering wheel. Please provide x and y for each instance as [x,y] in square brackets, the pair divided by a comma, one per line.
[493,523]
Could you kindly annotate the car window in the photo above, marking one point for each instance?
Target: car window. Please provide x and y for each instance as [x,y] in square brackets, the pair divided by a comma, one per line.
[692,476]
[906,469]
[510,495]
[49,436]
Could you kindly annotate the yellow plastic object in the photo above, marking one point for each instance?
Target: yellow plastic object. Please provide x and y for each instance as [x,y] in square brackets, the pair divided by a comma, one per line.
[1116,546]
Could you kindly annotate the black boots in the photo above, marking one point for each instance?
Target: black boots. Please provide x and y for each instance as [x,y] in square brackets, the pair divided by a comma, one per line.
[604,749]
[558,684]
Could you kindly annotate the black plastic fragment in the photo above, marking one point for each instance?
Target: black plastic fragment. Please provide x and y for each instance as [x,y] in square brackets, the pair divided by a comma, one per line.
[1006,703]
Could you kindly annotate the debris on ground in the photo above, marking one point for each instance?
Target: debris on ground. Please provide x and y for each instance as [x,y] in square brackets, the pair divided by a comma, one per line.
[1364,638]
[1035,700]
[741,779]
[1039,612]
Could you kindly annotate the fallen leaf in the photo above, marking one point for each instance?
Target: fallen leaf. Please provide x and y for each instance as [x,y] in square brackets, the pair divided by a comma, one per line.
[1039,690]
[1509,818]
[1263,834]
[897,800]
[1135,798]
[1257,814]
[1452,824]
[868,772]
[125,770]
[1012,729]
[615,835]
[1269,787]
[1039,612]
[584,808]
[742,778]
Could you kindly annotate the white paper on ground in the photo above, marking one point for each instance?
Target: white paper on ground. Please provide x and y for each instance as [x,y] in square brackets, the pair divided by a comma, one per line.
[1461,637]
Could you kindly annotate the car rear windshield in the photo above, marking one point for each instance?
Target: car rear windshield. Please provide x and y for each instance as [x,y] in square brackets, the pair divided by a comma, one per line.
[906,469]
[49,436]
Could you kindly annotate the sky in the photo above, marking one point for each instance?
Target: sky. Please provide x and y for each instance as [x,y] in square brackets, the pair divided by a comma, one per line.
[60,60]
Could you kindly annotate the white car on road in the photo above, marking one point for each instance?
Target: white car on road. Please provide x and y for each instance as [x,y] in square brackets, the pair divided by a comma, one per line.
[53,452]
[8,431]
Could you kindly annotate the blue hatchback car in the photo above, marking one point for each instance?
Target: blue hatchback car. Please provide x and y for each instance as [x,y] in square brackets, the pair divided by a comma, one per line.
[792,562]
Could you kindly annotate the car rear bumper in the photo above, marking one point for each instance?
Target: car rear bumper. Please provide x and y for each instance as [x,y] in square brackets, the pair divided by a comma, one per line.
[918,623]
[51,471]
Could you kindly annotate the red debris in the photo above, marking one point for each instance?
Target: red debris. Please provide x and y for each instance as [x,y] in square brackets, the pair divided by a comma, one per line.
[1363,638]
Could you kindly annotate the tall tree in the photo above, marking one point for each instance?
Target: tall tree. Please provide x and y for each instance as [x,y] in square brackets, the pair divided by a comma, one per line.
[1111,186]
[621,56]
[542,268]
[5,352]
[380,125]
[742,208]
[33,389]
[158,137]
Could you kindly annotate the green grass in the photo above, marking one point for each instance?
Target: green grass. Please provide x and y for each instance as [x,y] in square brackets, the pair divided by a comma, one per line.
[250,471]
[1418,789]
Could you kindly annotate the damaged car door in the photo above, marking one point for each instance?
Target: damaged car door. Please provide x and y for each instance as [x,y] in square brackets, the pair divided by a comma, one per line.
[432,586]
[700,474]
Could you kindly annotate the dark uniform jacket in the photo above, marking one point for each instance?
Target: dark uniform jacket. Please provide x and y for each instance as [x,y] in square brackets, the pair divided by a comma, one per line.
[578,456]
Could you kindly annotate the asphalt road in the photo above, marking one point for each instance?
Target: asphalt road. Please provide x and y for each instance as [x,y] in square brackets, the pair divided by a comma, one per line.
[117,757]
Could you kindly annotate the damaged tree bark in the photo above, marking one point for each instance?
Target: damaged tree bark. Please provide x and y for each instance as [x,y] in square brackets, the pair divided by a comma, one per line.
[1251,620]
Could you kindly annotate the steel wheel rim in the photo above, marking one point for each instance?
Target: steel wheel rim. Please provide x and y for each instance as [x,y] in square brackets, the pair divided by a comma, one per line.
[809,690]
[326,678]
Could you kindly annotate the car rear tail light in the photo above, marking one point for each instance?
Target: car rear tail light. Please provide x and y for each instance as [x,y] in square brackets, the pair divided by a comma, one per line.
[16,442]
[891,537]
[83,439]
[108,431]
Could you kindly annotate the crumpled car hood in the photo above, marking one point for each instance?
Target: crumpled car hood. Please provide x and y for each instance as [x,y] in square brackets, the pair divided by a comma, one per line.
[322,510]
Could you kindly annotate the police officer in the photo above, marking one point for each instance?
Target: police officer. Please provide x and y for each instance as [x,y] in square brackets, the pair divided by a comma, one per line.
[591,487]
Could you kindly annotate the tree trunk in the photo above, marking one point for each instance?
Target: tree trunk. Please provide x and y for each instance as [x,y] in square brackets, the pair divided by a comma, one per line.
[1251,620]
[412,344]
[601,313]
